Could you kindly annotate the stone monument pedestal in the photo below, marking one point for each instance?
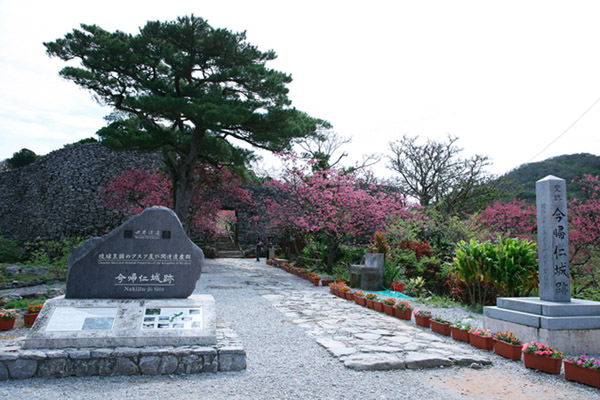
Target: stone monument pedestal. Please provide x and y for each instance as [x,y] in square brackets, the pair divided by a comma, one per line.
[99,323]
[129,309]
[571,327]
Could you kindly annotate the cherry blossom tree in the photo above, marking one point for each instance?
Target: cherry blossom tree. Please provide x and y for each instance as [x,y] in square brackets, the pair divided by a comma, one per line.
[336,205]
[135,190]
[512,219]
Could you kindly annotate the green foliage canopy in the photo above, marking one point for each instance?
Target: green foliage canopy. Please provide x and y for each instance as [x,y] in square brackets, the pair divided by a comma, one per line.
[192,91]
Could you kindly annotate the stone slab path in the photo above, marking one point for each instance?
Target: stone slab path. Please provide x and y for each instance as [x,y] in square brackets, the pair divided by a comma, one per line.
[364,339]
[361,338]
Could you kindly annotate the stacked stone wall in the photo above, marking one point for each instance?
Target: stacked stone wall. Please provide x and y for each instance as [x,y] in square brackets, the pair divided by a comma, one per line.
[59,194]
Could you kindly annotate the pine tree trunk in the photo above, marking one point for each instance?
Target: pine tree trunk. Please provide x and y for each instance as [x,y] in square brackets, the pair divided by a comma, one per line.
[182,176]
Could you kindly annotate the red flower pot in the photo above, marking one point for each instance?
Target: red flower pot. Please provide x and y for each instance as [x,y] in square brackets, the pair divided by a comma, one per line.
[481,342]
[369,303]
[459,334]
[361,301]
[389,310]
[542,363]
[423,321]
[7,324]
[326,282]
[587,376]
[439,327]
[403,314]
[29,318]
[510,351]
[378,306]
[349,296]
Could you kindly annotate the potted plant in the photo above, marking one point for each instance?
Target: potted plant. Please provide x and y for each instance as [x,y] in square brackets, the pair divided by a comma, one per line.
[371,299]
[359,298]
[507,345]
[542,357]
[31,314]
[583,369]
[440,325]
[403,310]
[388,306]
[422,317]
[481,338]
[345,292]
[7,319]
[377,305]
[314,278]
[460,331]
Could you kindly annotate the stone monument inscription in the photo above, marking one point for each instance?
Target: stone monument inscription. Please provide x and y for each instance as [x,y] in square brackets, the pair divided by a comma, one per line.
[553,239]
[149,256]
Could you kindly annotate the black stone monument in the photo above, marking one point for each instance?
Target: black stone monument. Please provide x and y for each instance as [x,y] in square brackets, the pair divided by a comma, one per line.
[148,257]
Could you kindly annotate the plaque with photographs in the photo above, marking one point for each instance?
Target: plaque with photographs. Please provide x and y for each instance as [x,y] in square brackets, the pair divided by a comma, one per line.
[172,318]
[66,319]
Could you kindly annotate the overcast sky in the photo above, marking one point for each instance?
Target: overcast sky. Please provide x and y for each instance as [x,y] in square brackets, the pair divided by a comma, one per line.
[506,77]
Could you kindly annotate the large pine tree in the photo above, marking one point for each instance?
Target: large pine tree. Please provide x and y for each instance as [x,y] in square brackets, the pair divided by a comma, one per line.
[189,90]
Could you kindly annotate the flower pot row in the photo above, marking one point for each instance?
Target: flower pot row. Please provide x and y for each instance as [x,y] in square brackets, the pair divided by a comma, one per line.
[392,308]
[303,273]
[7,324]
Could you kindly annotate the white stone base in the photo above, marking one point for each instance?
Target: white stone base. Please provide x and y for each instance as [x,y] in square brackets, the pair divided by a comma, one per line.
[569,341]
[58,327]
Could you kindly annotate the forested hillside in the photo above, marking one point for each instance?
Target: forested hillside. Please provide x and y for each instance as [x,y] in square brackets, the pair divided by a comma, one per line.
[520,182]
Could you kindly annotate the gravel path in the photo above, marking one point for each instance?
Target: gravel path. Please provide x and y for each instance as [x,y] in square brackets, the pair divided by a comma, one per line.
[285,362]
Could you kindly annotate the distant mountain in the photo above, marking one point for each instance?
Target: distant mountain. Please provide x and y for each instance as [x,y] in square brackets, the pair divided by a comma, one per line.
[520,182]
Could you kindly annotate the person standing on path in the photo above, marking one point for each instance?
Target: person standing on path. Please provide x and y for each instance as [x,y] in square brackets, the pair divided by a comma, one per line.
[259,245]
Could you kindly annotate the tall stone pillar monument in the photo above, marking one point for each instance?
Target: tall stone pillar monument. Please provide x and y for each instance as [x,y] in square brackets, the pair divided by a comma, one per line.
[570,325]
[553,239]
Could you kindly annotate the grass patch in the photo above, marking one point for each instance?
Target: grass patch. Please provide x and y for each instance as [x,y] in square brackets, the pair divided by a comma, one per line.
[25,302]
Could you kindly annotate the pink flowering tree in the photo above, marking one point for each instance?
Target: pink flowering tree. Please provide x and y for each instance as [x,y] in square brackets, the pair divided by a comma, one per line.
[584,239]
[135,190]
[509,220]
[337,205]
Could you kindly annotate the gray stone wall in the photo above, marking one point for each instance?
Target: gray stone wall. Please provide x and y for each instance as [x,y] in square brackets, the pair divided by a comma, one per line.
[59,194]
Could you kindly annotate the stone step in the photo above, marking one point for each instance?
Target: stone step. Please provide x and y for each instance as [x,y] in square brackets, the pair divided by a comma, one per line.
[227,246]
[230,254]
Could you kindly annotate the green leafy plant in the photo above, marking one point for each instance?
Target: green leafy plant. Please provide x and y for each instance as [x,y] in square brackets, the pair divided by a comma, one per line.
[52,252]
[516,272]
[541,349]
[465,326]
[440,319]
[10,251]
[24,303]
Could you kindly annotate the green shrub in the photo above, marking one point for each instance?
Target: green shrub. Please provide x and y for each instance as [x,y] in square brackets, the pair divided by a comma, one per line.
[52,252]
[508,267]
[21,158]
[10,251]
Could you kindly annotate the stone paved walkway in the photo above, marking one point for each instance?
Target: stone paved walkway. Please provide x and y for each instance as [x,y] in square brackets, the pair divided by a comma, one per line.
[361,338]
